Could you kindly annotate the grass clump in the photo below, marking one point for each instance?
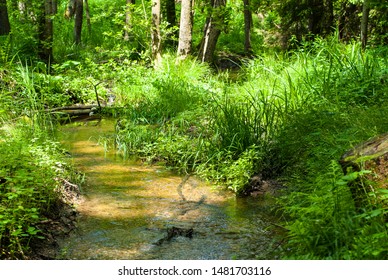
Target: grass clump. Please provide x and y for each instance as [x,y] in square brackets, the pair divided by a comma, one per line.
[32,165]
[291,117]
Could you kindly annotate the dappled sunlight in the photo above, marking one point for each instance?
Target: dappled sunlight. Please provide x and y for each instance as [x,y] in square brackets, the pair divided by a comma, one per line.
[129,208]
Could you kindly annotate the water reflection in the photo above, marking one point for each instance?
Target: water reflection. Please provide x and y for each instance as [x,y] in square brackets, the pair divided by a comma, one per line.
[130,210]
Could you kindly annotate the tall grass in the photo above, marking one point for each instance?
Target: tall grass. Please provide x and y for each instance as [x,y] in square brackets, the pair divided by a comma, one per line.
[347,106]
[31,164]
[291,118]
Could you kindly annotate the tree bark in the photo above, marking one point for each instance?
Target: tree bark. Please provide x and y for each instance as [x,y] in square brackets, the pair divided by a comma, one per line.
[5,27]
[185,29]
[156,43]
[45,32]
[315,17]
[329,24]
[87,12]
[364,24]
[79,11]
[247,27]
[212,31]
[55,7]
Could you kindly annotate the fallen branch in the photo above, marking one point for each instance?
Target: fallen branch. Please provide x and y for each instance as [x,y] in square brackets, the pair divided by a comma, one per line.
[71,107]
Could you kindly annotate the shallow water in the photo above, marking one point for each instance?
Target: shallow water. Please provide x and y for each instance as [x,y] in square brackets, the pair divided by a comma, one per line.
[129,210]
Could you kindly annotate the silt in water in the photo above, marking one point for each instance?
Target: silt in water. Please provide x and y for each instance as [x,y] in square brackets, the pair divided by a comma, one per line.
[135,211]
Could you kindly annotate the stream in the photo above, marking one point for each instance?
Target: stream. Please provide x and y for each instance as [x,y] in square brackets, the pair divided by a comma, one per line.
[131,210]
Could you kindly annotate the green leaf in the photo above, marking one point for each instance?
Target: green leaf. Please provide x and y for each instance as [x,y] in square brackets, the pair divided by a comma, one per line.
[350,177]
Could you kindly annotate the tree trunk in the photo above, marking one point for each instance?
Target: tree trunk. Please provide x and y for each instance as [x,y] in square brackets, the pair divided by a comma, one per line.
[364,23]
[185,29]
[329,23]
[55,7]
[46,32]
[79,11]
[315,17]
[156,43]
[212,31]
[247,27]
[5,27]
[128,18]
[87,12]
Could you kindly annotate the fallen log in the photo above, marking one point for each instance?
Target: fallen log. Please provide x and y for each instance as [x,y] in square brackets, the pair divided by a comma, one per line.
[72,113]
[72,107]
[371,155]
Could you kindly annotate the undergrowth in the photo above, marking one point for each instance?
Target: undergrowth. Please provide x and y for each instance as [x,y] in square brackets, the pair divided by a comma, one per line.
[32,163]
[291,117]
[288,117]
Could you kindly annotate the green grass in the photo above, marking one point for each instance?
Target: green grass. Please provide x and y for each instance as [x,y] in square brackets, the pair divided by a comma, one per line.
[32,163]
[291,117]
[288,116]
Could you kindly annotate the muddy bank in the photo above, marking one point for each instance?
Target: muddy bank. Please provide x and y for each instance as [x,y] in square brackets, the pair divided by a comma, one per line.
[61,220]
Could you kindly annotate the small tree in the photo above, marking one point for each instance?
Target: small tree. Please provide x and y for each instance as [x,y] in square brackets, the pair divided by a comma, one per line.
[156,40]
[212,30]
[364,23]
[247,26]
[79,11]
[5,27]
[45,33]
[185,29]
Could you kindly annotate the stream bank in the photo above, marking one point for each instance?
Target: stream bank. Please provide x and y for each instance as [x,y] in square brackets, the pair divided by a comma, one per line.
[136,211]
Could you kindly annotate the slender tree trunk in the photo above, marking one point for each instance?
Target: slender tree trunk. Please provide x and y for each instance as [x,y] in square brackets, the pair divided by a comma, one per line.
[5,27]
[156,43]
[247,27]
[128,18]
[315,18]
[79,11]
[46,32]
[55,7]
[87,12]
[185,29]
[212,31]
[364,23]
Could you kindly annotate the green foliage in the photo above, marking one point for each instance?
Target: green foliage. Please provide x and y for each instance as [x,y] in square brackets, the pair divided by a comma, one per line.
[5,50]
[325,224]
[288,115]
[237,173]
[31,162]
[29,169]
[322,220]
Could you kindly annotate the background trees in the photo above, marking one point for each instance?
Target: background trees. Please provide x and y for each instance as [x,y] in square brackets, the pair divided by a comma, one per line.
[5,27]
[305,92]
[200,28]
